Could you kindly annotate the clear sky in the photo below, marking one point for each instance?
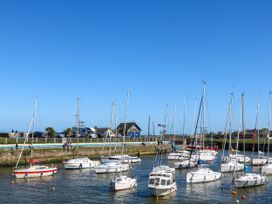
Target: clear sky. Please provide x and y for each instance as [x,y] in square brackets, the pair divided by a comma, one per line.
[95,50]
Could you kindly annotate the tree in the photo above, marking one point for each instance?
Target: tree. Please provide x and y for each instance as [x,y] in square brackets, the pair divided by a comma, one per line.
[68,132]
[50,132]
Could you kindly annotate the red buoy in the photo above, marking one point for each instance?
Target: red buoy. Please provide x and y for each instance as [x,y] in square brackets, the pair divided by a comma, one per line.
[243,197]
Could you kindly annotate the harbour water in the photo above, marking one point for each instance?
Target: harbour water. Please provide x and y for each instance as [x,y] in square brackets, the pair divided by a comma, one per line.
[84,186]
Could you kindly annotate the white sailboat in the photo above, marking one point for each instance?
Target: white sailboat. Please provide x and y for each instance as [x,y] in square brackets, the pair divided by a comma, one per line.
[248,179]
[35,170]
[82,162]
[229,164]
[123,182]
[202,174]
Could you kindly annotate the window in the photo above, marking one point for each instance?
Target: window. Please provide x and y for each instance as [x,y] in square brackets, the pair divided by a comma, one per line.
[168,182]
[157,182]
[163,182]
[151,181]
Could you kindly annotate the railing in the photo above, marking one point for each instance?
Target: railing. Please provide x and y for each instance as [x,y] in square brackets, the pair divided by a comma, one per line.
[20,140]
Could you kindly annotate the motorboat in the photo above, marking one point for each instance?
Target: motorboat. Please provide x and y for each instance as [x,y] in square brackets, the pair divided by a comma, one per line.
[162,181]
[202,175]
[80,163]
[231,166]
[111,167]
[123,182]
[250,180]
[35,171]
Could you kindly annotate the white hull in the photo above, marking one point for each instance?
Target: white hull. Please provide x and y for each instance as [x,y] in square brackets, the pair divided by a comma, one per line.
[123,183]
[111,167]
[185,164]
[267,169]
[34,172]
[162,181]
[80,163]
[157,191]
[259,161]
[240,158]
[121,158]
[231,166]
[202,175]
[178,155]
[250,180]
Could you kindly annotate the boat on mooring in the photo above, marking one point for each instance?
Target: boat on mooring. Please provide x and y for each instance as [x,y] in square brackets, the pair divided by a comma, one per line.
[80,163]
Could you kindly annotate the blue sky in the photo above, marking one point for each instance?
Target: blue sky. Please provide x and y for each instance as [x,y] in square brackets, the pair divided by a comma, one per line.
[163,50]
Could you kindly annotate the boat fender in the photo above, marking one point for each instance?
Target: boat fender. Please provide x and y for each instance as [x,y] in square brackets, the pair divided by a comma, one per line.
[243,197]
[41,173]
[80,166]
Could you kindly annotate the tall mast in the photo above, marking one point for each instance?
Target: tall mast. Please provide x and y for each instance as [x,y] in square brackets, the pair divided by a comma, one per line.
[125,120]
[165,117]
[174,121]
[78,121]
[31,124]
[34,121]
[111,123]
[203,114]
[230,118]
[148,127]
[257,128]
[269,115]
[184,116]
[243,126]
[227,127]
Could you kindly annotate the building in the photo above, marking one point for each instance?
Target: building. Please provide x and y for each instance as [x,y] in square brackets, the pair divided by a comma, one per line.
[132,129]
[105,132]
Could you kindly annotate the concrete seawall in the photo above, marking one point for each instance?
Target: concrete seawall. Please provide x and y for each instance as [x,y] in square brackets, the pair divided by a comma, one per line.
[9,157]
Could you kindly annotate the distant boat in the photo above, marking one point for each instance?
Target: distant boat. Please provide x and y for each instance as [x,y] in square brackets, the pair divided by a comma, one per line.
[122,182]
[111,167]
[34,170]
[230,163]
[202,175]
[80,163]
[248,179]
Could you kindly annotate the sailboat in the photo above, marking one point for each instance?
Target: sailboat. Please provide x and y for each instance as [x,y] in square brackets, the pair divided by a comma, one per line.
[230,164]
[248,179]
[162,178]
[202,174]
[123,182]
[34,170]
[267,168]
[83,162]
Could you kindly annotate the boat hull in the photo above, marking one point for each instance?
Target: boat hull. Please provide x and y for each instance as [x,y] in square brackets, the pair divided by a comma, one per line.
[162,191]
[195,177]
[255,180]
[24,174]
[124,184]
[231,167]
[111,169]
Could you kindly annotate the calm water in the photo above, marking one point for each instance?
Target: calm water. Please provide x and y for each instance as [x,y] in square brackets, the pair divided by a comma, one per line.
[84,186]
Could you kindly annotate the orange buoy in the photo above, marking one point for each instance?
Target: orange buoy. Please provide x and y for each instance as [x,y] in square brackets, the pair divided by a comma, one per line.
[234,192]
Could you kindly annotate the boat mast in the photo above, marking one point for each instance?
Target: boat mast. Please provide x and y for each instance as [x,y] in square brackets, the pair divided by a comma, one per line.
[268,134]
[78,121]
[202,128]
[125,120]
[35,114]
[31,124]
[111,121]
[257,128]
[227,127]
[184,116]
[230,118]
[174,123]
[243,126]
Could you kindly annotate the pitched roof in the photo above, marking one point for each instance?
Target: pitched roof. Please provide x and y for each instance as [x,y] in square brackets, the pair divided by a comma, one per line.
[128,125]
